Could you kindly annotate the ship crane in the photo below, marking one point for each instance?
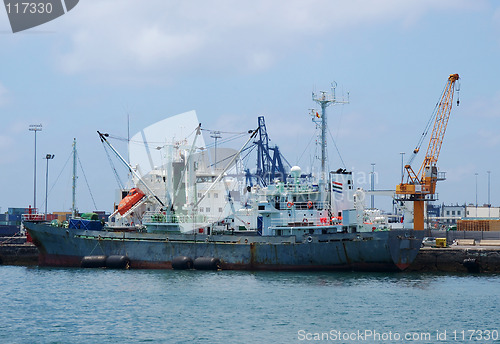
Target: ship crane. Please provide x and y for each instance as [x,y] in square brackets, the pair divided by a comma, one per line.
[421,186]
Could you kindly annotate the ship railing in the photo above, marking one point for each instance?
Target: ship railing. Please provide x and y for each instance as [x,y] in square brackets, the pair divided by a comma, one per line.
[286,221]
[155,217]
[33,217]
[307,205]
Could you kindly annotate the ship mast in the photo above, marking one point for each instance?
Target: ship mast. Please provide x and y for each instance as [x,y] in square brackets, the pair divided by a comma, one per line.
[325,100]
[73,203]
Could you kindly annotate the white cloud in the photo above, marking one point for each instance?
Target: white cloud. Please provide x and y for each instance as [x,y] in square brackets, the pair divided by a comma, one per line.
[170,38]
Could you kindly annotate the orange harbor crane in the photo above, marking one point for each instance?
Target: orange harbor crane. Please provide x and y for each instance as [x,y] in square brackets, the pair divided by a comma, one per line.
[421,186]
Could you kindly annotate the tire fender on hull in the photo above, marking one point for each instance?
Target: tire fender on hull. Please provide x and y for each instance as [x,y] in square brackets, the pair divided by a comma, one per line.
[118,262]
[182,263]
[207,263]
[111,262]
[93,262]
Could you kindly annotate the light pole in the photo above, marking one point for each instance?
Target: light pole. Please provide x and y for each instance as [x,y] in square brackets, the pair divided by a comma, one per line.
[476,193]
[489,201]
[373,186]
[47,157]
[215,135]
[402,165]
[35,128]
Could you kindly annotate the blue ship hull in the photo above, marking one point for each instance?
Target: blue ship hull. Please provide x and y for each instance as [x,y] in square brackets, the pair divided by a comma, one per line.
[371,251]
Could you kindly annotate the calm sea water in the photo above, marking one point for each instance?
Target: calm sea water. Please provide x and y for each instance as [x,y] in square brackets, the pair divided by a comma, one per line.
[48,305]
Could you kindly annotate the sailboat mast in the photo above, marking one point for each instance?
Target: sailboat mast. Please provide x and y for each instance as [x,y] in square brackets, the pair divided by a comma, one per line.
[73,203]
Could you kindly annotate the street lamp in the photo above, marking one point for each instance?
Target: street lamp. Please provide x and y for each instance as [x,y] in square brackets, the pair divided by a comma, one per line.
[489,201]
[373,186]
[402,165]
[35,128]
[215,135]
[47,157]
[476,192]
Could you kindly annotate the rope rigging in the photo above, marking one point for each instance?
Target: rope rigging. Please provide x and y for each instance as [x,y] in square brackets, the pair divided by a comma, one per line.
[83,172]
[115,172]
[86,182]
[336,148]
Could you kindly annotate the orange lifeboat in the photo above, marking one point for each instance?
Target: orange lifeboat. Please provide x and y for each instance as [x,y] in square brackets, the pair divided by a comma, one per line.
[134,196]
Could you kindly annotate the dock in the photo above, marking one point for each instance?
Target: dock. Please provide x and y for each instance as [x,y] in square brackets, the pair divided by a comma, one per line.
[17,251]
[473,259]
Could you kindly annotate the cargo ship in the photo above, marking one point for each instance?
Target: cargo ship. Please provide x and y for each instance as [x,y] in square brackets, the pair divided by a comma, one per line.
[189,209]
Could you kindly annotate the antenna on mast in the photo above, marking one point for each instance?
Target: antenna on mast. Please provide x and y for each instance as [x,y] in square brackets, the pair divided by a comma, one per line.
[325,100]
[73,203]
[129,175]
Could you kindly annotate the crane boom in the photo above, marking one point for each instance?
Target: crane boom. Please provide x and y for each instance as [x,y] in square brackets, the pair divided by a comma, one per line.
[421,186]
[442,116]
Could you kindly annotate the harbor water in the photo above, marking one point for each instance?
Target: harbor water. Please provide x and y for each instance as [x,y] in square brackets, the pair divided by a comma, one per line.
[54,305]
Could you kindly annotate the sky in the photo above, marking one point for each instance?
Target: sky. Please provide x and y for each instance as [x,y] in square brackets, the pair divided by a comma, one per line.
[109,60]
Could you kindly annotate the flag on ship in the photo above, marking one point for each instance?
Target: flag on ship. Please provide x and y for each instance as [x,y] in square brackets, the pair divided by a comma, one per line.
[337,187]
[317,114]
